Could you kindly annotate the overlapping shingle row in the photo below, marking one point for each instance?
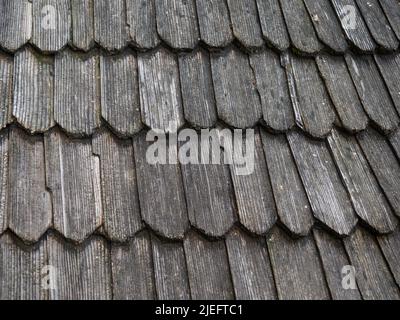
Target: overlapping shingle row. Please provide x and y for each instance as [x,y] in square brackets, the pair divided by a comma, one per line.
[306,25]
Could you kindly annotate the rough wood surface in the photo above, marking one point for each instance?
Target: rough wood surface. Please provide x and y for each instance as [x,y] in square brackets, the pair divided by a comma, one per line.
[30,212]
[120,93]
[334,259]
[372,273]
[110,30]
[177,23]
[209,196]
[170,270]
[273,89]
[358,34]
[272,24]
[300,27]
[33,91]
[389,66]
[392,10]
[208,268]
[313,108]
[161,192]
[81,272]
[21,275]
[72,174]
[141,20]
[132,269]
[214,22]
[368,200]
[120,200]
[4,180]
[384,164]
[15,23]
[328,197]
[197,89]
[82,24]
[250,267]
[238,102]
[326,24]
[390,245]
[254,197]
[297,269]
[160,94]
[77,96]
[51,24]
[395,142]
[372,92]
[378,24]
[342,92]
[293,208]
[245,23]
[6,90]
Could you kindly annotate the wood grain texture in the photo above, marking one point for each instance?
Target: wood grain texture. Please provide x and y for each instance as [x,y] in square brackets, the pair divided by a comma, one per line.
[81,272]
[51,24]
[395,142]
[33,91]
[297,269]
[293,207]
[160,95]
[353,25]
[390,245]
[343,93]
[4,180]
[326,24]
[273,89]
[384,164]
[197,89]
[245,23]
[273,24]
[72,173]
[214,23]
[300,27]
[391,8]
[368,200]
[6,89]
[141,20]
[328,197]
[250,267]
[313,108]
[120,200]
[30,212]
[378,24]
[389,66]
[132,269]
[372,273]
[21,270]
[76,90]
[334,259]
[238,103]
[177,23]
[110,30]
[254,197]
[15,23]
[209,195]
[161,192]
[82,14]
[208,268]
[372,92]
[120,93]
[170,271]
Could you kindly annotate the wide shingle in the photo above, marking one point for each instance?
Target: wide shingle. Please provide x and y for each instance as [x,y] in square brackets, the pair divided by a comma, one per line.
[392,11]
[390,245]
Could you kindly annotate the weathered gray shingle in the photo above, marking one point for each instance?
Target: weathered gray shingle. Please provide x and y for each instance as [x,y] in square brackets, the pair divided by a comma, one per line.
[82,14]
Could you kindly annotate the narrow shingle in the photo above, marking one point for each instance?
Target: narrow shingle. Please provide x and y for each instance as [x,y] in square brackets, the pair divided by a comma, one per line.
[33,91]
[390,245]
[4,180]
[120,105]
[6,89]
[82,24]
[29,200]
[392,11]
